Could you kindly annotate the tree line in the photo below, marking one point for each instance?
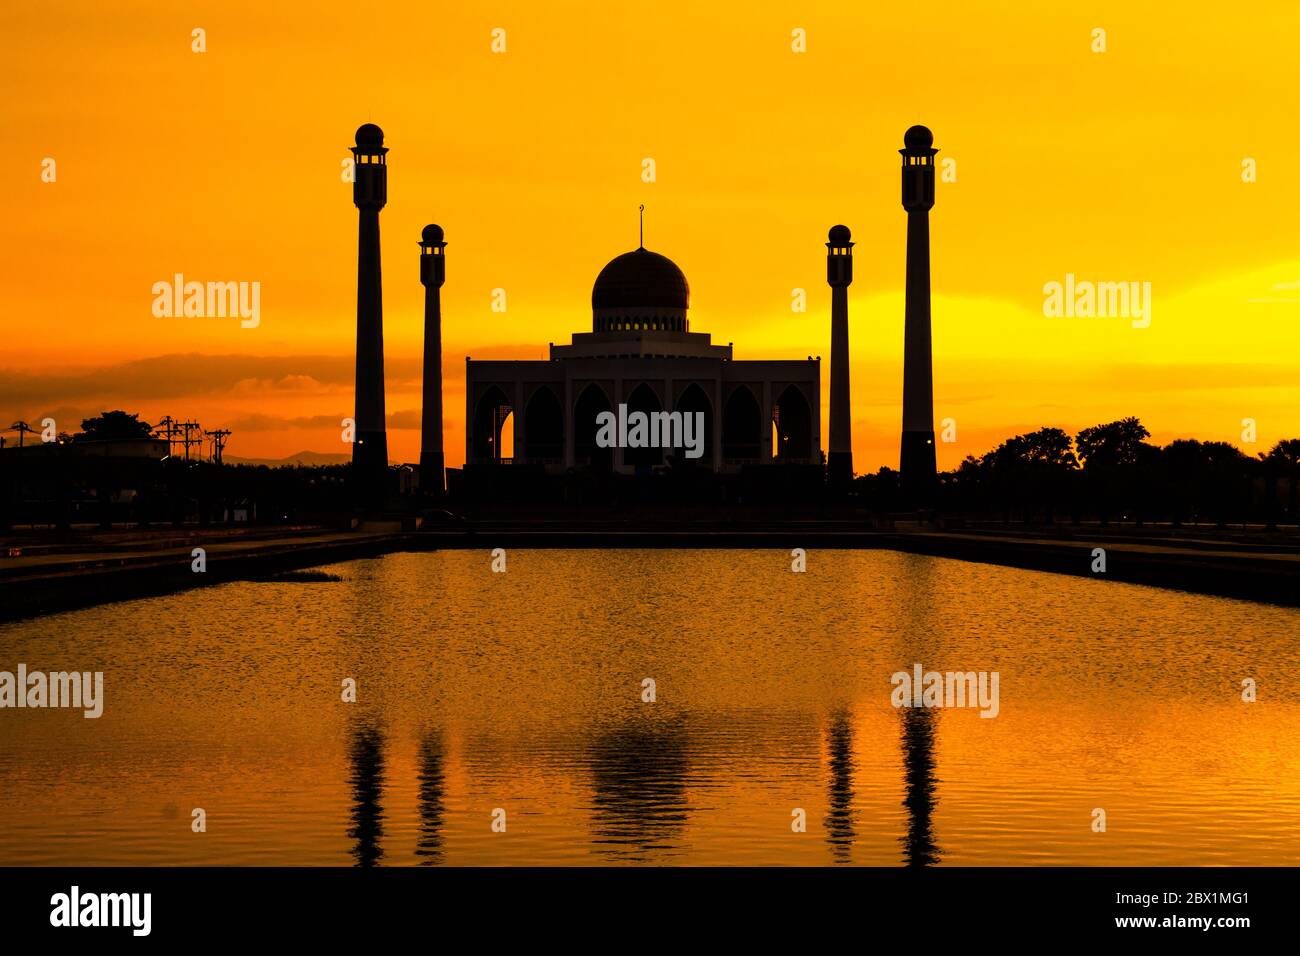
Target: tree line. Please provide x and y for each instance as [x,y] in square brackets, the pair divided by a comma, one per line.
[1110,472]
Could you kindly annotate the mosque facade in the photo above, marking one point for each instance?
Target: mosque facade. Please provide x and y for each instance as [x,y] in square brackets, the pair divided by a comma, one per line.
[642,354]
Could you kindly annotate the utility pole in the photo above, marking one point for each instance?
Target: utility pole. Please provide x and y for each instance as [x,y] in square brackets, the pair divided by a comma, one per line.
[187,440]
[168,428]
[218,436]
[22,428]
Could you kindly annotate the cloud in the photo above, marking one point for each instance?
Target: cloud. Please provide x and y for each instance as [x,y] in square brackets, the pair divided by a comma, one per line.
[407,418]
[272,423]
[187,375]
[171,376]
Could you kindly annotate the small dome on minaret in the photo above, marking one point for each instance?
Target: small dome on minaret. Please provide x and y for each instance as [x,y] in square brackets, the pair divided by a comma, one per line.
[839,235]
[370,135]
[918,138]
[432,234]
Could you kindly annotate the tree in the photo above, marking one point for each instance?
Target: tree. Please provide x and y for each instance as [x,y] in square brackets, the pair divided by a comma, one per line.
[1031,469]
[1228,479]
[1111,445]
[1113,455]
[1283,461]
[113,426]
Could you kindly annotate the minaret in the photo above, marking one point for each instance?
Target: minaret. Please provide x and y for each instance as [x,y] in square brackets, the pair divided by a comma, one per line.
[433,271]
[839,273]
[370,193]
[916,461]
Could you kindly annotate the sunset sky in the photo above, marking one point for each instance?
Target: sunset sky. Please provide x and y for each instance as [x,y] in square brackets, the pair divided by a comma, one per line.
[1124,166]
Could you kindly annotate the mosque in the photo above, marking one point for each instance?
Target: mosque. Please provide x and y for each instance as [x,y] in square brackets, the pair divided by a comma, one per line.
[642,354]
[641,361]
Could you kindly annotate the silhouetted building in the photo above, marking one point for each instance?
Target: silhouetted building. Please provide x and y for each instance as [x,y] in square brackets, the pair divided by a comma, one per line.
[916,459]
[839,274]
[433,272]
[370,193]
[641,353]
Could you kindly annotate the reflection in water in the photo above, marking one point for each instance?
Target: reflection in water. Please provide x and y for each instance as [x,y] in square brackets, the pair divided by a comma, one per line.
[366,776]
[839,815]
[432,788]
[639,791]
[1132,702]
[919,847]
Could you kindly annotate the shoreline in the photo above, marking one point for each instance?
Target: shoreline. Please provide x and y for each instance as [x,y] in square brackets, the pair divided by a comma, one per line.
[57,577]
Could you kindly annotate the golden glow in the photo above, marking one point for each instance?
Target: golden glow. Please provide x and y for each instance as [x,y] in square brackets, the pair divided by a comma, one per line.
[530,686]
[225,165]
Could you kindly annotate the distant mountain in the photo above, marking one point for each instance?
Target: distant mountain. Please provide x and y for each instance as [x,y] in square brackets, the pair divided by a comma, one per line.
[300,458]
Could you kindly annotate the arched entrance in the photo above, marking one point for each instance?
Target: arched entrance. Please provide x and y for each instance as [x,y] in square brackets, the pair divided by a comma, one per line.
[643,399]
[490,415]
[693,400]
[793,421]
[590,403]
[543,440]
[741,426]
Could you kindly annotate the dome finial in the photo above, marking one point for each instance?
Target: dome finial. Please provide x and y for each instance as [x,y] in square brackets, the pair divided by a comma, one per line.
[642,239]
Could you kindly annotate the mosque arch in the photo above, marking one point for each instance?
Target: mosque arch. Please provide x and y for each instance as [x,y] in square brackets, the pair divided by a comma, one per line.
[695,399]
[490,414]
[643,399]
[543,438]
[793,420]
[741,425]
[591,402]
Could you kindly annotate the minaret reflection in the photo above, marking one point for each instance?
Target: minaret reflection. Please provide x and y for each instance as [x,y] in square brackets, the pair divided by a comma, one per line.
[432,811]
[366,757]
[919,846]
[639,792]
[839,815]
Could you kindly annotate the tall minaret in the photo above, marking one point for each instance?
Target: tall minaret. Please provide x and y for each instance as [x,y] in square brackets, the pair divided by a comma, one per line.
[370,193]
[433,272]
[839,273]
[916,461]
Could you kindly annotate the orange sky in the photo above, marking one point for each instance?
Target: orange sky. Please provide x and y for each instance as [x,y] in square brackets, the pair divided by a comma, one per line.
[225,166]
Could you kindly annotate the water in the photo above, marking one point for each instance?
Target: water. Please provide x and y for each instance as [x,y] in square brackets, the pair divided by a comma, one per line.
[522,691]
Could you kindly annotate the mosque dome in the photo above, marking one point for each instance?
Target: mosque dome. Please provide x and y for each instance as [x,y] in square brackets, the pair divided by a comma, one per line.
[432,234]
[641,279]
